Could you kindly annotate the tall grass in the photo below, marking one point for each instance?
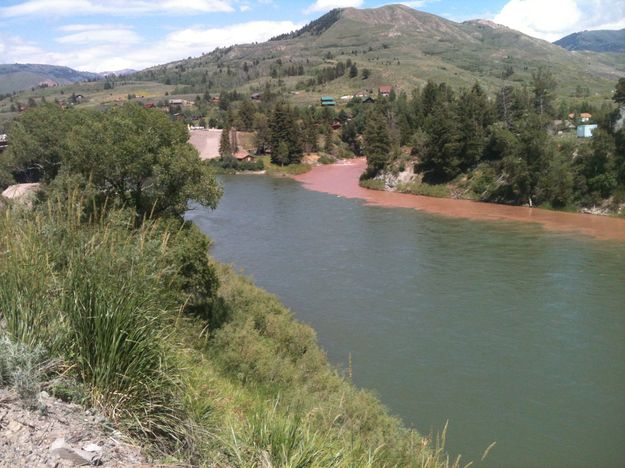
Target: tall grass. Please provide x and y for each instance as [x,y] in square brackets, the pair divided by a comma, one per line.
[93,292]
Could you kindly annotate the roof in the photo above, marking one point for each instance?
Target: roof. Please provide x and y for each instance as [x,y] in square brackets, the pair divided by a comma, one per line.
[585,115]
[327,98]
[386,89]
[176,101]
[241,155]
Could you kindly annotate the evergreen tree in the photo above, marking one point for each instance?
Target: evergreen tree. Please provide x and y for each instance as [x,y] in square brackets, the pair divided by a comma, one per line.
[377,143]
[442,160]
[543,87]
[285,128]
[225,149]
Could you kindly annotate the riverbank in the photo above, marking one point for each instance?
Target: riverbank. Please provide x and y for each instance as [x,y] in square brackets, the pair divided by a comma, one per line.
[192,361]
[343,180]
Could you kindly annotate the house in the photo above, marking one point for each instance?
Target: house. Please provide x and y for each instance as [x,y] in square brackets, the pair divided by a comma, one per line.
[177,102]
[585,131]
[585,117]
[336,124]
[256,97]
[48,84]
[327,101]
[368,100]
[385,90]
[243,156]
[149,105]
[362,93]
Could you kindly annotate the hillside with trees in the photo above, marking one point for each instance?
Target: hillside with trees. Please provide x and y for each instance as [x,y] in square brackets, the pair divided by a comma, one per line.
[398,46]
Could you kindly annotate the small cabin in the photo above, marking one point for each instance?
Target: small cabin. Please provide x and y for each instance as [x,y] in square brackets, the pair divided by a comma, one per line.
[385,90]
[586,131]
[328,101]
[585,117]
[244,156]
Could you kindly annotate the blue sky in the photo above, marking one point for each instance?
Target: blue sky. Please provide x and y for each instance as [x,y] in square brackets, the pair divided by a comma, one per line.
[109,35]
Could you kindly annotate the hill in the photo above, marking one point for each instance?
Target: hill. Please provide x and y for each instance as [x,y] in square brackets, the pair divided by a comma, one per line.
[21,76]
[399,46]
[594,41]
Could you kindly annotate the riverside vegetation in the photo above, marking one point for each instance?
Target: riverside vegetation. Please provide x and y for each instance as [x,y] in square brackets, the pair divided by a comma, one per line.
[111,300]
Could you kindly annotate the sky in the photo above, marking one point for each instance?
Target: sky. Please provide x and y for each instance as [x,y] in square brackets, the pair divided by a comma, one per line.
[111,35]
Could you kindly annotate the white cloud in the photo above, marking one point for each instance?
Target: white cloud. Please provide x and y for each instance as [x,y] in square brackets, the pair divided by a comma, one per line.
[326,5]
[553,19]
[117,55]
[113,7]
[98,33]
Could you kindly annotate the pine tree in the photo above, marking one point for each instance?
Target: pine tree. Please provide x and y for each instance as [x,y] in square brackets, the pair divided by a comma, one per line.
[224,143]
[377,143]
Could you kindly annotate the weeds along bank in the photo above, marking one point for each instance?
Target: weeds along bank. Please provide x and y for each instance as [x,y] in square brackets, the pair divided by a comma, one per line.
[186,356]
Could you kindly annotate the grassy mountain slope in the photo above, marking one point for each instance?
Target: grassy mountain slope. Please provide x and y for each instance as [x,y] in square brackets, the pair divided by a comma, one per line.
[18,76]
[401,46]
[594,41]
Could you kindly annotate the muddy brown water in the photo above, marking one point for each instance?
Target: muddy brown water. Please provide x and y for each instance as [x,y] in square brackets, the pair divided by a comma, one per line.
[342,180]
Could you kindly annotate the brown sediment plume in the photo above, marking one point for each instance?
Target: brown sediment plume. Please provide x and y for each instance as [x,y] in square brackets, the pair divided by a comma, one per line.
[342,180]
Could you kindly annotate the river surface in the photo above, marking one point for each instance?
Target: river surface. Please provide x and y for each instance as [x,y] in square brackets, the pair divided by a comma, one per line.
[512,331]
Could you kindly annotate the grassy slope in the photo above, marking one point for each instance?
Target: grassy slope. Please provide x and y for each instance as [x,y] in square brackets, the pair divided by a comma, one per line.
[254,390]
[405,48]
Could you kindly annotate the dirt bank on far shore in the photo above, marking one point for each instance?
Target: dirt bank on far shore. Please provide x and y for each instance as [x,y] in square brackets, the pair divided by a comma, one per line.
[342,179]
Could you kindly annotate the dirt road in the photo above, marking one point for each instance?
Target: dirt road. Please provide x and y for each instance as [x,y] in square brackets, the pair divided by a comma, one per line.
[206,142]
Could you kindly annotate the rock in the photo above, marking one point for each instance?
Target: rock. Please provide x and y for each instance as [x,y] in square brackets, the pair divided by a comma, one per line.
[14,426]
[64,451]
[92,448]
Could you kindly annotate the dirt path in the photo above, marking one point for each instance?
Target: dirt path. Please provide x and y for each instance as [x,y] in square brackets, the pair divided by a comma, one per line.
[206,142]
[342,180]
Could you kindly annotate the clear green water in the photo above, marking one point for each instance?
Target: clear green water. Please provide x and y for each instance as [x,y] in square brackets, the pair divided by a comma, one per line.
[513,334]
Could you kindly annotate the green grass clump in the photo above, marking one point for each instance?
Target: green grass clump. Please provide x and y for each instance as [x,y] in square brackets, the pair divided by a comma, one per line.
[372,184]
[427,190]
[94,294]
[277,170]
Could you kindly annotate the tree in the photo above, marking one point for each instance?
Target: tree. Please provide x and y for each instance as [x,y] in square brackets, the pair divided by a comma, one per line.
[140,159]
[284,126]
[225,149]
[377,143]
[281,154]
[353,71]
[543,87]
[442,160]
[38,139]
[366,73]
[619,92]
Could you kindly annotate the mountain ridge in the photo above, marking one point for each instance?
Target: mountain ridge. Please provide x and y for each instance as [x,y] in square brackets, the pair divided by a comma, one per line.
[20,76]
[603,40]
[401,46]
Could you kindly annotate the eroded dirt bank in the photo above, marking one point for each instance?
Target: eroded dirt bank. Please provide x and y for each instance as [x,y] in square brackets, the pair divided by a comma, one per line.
[342,180]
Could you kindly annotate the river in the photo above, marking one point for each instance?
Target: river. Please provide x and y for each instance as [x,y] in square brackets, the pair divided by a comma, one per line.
[512,331]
